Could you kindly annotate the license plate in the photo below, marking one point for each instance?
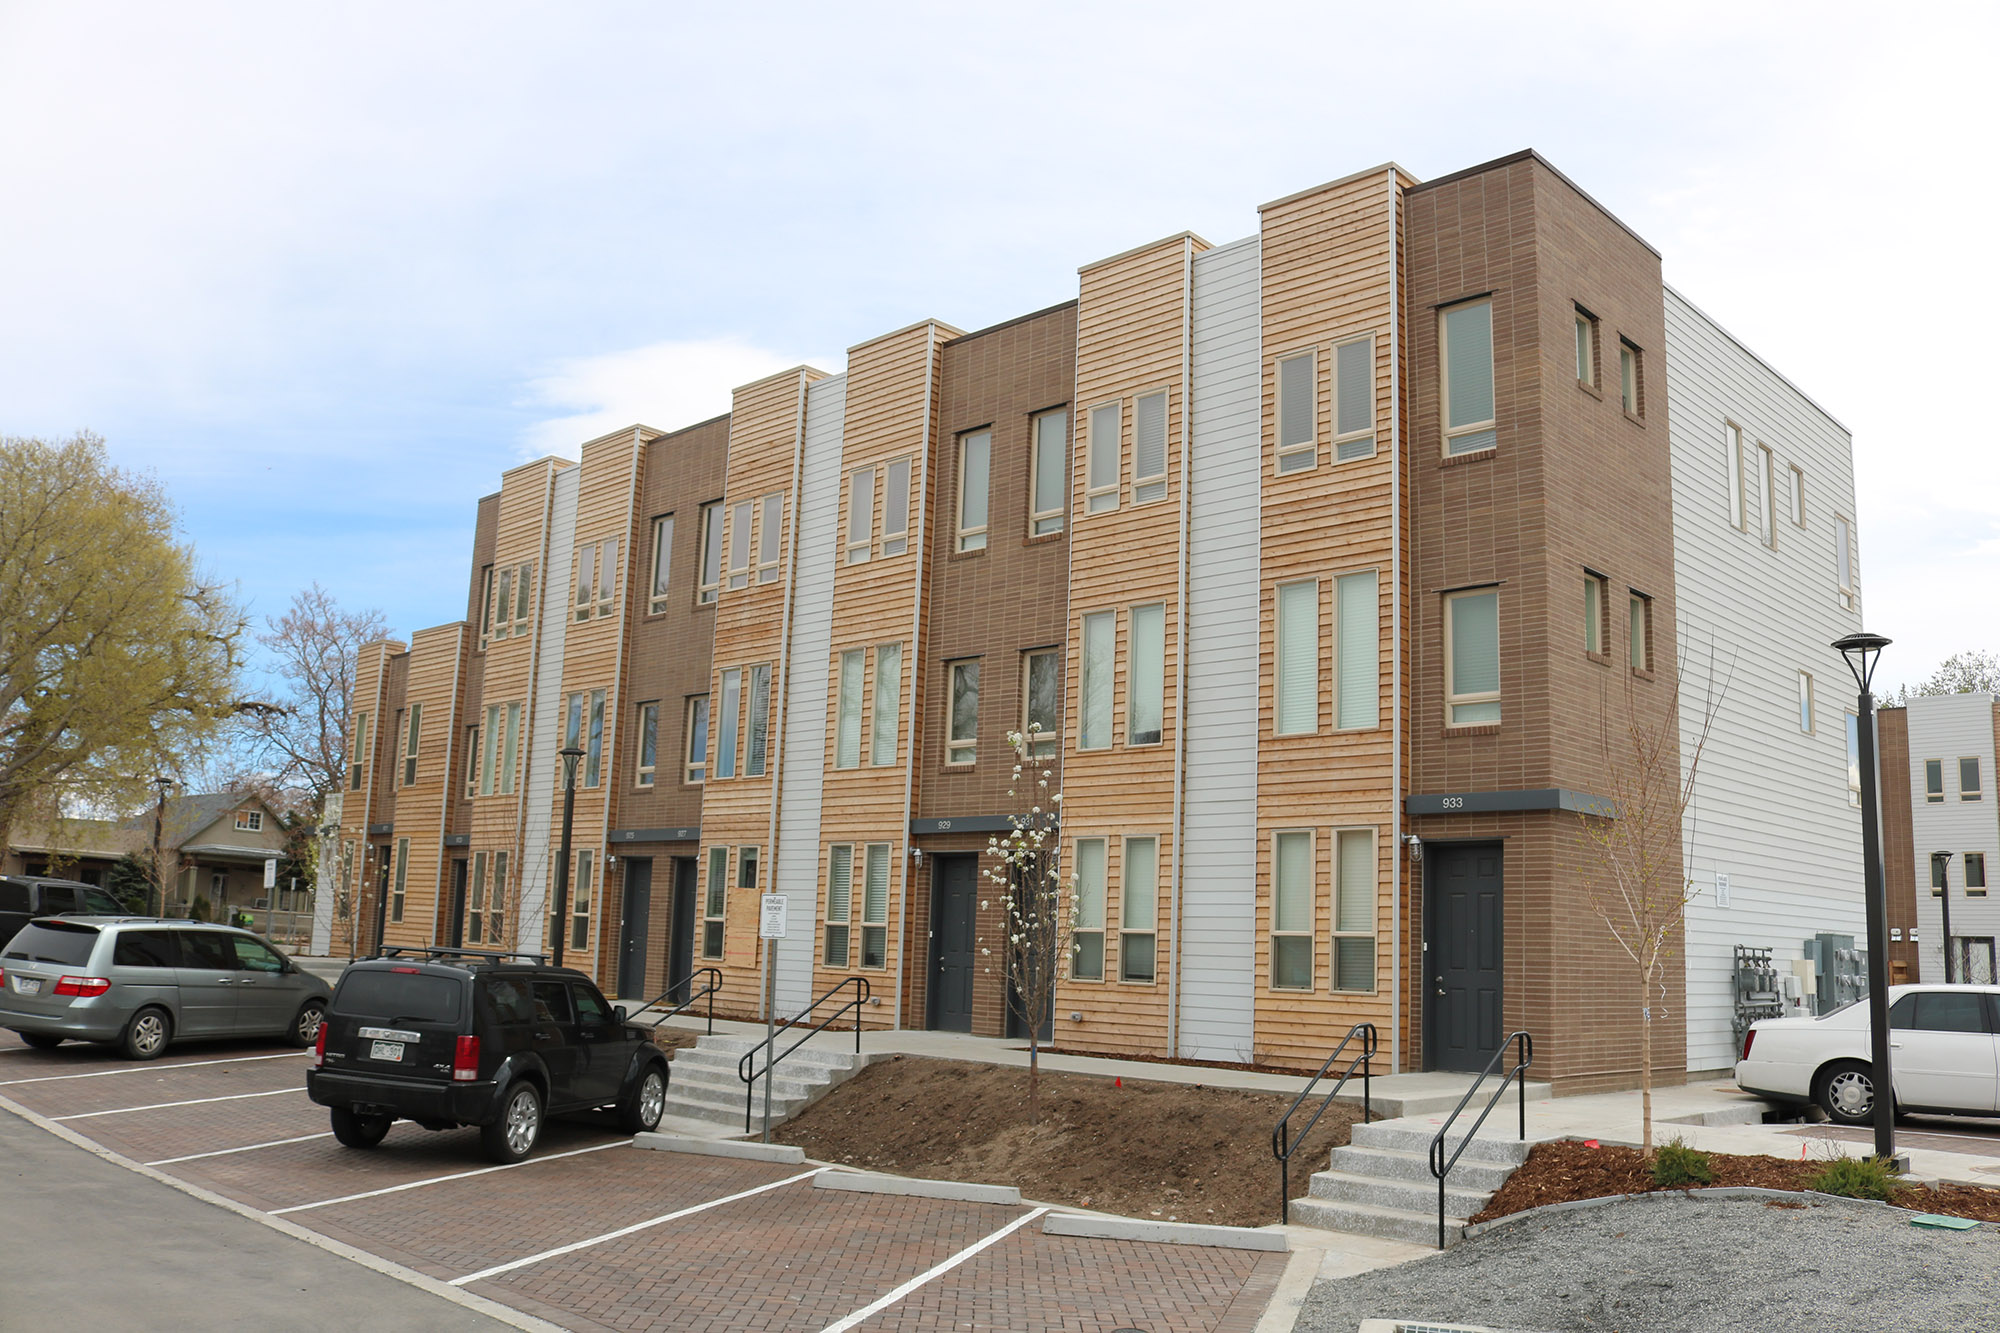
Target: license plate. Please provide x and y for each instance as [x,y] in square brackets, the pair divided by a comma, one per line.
[386,1050]
[28,985]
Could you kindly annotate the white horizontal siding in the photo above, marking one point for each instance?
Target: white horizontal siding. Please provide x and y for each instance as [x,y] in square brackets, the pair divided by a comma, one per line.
[1949,728]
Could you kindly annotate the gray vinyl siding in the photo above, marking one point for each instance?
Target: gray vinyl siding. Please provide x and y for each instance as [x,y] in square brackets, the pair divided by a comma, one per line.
[543,739]
[1770,807]
[806,674]
[1219,837]
[1950,728]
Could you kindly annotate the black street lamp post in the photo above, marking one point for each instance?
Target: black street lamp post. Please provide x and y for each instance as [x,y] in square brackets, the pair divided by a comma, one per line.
[570,754]
[159,869]
[1941,881]
[1862,651]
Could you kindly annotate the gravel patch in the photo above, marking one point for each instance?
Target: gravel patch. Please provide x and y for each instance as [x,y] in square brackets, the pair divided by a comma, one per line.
[1680,1265]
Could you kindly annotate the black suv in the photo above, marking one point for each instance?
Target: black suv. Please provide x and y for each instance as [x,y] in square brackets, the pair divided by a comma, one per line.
[450,1037]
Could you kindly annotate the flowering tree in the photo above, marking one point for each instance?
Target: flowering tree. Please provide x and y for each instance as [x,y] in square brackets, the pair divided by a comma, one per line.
[1026,868]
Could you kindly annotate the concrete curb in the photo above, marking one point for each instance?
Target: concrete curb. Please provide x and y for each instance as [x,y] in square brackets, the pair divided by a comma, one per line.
[1719,1193]
[1164,1233]
[869,1182]
[784,1153]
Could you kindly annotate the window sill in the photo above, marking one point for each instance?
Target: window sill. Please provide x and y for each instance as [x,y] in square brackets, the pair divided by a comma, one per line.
[1470,456]
[1591,389]
[1476,729]
[1640,673]
[1602,659]
[967,555]
[1636,420]
[1038,538]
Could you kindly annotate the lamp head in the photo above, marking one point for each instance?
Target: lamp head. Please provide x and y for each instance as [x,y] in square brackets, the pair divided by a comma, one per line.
[1941,862]
[1862,650]
[570,754]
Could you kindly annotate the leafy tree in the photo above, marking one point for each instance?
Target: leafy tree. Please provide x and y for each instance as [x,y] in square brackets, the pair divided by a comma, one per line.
[315,645]
[117,659]
[1969,672]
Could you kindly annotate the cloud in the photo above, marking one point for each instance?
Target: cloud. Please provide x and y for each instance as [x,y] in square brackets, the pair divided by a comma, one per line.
[666,385]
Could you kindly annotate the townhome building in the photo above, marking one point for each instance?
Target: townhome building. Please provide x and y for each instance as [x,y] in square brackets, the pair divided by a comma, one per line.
[1337,568]
[1941,836]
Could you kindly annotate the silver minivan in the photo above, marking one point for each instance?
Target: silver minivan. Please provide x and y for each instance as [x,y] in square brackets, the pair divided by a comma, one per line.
[142,983]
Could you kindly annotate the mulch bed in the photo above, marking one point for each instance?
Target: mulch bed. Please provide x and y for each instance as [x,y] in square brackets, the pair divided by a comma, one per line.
[1172,1151]
[1562,1171]
[672,1040]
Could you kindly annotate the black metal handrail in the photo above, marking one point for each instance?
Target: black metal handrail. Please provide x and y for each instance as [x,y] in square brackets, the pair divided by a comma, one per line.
[746,1067]
[1524,1048]
[1283,1145]
[714,975]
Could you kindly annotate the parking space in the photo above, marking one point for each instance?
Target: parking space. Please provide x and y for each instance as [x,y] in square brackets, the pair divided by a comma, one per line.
[593,1233]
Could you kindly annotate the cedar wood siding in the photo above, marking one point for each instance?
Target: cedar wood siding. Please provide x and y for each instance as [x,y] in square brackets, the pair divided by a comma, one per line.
[1899,855]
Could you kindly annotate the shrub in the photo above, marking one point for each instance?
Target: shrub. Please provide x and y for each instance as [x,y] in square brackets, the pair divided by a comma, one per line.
[1677,1166]
[1857,1178]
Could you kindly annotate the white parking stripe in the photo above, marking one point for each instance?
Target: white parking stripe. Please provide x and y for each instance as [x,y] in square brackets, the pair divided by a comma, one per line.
[164,1106]
[248,1147]
[876,1307]
[439,1180]
[572,1248]
[145,1068]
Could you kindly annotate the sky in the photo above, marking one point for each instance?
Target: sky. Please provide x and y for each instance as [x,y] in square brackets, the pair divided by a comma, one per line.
[327,270]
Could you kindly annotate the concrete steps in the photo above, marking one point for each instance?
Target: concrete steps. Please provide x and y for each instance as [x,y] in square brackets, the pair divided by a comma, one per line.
[706,1086]
[1381,1184]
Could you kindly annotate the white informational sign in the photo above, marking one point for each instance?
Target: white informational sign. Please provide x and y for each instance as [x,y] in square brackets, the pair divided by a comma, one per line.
[1721,890]
[271,873]
[771,921]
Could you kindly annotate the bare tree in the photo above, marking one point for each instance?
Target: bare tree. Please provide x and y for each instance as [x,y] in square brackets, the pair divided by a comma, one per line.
[1636,853]
[314,647]
[1037,918]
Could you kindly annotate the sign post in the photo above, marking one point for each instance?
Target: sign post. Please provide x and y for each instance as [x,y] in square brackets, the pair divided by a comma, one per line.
[770,927]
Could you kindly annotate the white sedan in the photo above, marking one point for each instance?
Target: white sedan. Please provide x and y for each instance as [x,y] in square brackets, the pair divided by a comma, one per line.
[1944,1049]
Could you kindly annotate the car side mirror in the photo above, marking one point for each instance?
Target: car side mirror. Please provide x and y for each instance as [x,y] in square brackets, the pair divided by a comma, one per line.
[618,1013]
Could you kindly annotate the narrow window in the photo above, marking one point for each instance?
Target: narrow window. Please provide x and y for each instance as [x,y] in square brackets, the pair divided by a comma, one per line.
[728,720]
[770,529]
[1101,487]
[696,762]
[1292,894]
[1144,703]
[1298,658]
[1466,332]
[495,737]
[472,761]
[475,901]
[847,730]
[715,903]
[579,900]
[416,725]
[593,750]
[1806,702]
[1968,779]
[1149,448]
[1798,497]
[1298,413]
[402,879]
[839,904]
[1934,781]
[746,873]
[1732,448]
[1593,614]
[1586,350]
[509,760]
[1975,874]
[1354,910]
[1051,473]
[962,723]
[1631,379]
[974,461]
[1100,646]
[607,576]
[1357,668]
[711,554]
[1767,473]
[586,580]
[573,723]
[860,515]
[875,907]
[739,544]
[356,760]
[663,563]
[503,605]
[485,605]
[1138,908]
[1087,936]
[649,743]
[760,721]
[1041,696]
[888,694]
[1639,635]
[524,581]
[1853,760]
[1843,561]
[496,903]
[1354,400]
[1472,658]
[896,508]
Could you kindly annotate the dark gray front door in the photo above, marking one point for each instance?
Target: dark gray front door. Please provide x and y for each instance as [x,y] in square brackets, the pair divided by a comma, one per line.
[1462,1009]
[456,932]
[638,909]
[954,904]
[680,944]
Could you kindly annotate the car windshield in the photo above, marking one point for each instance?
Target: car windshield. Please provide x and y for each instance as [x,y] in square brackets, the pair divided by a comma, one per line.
[53,942]
[99,903]
[399,996]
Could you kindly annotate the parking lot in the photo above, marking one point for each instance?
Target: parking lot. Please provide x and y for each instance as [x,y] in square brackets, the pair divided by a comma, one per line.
[593,1233]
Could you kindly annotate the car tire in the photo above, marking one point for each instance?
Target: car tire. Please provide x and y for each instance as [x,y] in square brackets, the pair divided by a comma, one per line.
[640,1109]
[42,1041]
[146,1034]
[514,1134]
[359,1131]
[1845,1090]
[304,1030]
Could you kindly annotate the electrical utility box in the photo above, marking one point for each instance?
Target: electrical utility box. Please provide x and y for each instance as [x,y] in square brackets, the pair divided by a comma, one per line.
[1758,994]
[1841,968]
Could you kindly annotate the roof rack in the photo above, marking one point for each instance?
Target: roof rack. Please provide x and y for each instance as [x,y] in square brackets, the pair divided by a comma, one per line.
[446,951]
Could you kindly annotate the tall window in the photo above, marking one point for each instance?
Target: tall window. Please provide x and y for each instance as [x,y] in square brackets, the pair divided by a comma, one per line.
[962,721]
[1357,673]
[586,581]
[1147,672]
[649,743]
[1298,658]
[663,563]
[760,721]
[847,726]
[1767,477]
[1639,636]
[496,903]
[1969,787]
[1466,332]
[1050,483]
[1149,448]
[1101,482]
[1472,658]
[524,582]
[1041,701]
[888,694]
[860,515]
[607,575]
[1292,894]
[1733,462]
[1087,936]
[1975,874]
[839,904]
[1586,350]
[1593,613]
[1354,400]
[475,901]
[402,879]
[1853,759]
[485,605]
[1354,910]
[358,756]
[696,758]
[770,529]
[1934,781]
[503,746]
[896,507]
[1798,497]
[1631,381]
[1806,702]
[739,544]
[727,721]
[513,591]
[974,476]
[1843,561]
[593,748]
[875,907]
[1100,645]
[573,722]
[1298,412]
[1138,909]
[415,725]
[715,902]
[711,554]
[579,901]
[472,761]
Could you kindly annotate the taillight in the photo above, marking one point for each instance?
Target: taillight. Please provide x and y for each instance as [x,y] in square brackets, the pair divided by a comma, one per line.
[319,1045]
[83,986]
[1748,1037]
[465,1060]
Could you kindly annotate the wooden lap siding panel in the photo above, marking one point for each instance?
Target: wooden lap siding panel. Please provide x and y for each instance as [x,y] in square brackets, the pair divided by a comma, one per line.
[434,661]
